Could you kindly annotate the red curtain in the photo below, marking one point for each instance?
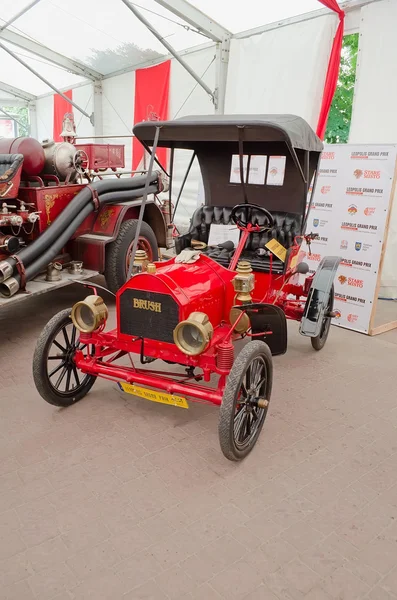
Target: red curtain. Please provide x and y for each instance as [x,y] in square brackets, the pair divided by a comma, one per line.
[151,104]
[61,106]
[333,68]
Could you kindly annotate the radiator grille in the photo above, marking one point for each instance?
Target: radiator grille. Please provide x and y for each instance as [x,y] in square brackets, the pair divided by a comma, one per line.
[148,314]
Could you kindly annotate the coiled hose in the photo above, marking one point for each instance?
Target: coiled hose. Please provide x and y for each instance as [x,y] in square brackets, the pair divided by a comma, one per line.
[38,254]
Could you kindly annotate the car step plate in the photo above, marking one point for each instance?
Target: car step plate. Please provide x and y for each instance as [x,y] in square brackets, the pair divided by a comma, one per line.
[152,395]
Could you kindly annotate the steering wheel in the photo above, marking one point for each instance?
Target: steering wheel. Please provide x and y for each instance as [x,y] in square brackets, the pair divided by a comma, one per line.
[248,215]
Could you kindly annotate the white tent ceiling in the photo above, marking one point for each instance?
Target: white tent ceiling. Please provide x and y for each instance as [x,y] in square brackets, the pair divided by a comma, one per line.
[106,37]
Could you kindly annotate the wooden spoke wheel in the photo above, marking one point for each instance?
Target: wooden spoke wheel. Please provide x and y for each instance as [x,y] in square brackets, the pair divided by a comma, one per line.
[245,400]
[56,376]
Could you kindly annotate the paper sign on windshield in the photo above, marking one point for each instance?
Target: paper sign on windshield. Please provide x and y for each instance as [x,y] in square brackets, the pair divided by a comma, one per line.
[277,249]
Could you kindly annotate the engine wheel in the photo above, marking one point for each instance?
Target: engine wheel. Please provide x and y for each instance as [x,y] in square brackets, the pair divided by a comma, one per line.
[241,418]
[56,377]
[118,253]
[318,342]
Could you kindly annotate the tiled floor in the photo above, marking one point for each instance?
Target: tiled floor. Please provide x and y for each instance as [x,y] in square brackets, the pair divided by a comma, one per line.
[120,498]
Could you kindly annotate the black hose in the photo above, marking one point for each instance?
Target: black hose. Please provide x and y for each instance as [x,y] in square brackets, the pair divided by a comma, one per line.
[40,263]
[75,206]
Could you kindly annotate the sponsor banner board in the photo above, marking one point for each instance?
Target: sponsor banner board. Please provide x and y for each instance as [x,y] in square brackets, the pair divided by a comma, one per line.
[349,213]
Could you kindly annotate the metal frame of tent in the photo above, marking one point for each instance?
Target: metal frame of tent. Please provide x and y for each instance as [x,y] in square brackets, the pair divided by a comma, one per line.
[204,24]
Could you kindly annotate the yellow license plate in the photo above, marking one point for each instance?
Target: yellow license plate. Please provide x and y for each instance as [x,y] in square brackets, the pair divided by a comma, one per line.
[161,397]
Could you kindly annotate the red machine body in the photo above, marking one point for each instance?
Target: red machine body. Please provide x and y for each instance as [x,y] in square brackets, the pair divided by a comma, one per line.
[103,156]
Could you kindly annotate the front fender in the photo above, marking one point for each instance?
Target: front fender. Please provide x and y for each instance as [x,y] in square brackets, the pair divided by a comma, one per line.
[110,218]
[91,247]
[318,296]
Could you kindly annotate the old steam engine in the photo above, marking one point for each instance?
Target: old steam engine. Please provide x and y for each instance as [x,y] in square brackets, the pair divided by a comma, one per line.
[58,203]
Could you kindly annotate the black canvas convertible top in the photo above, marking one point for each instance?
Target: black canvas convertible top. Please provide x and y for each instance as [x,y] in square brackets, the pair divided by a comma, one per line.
[185,132]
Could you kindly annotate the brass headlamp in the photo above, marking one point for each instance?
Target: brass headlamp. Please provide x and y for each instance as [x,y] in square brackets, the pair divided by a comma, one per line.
[193,335]
[89,314]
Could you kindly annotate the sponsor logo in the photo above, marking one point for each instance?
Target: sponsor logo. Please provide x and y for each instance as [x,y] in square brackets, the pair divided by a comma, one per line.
[369,211]
[358,246]
[369,155]
[352,210]
[353,191]
[316,257]
[328,172]
[344,245]
[337,314]
[353,282]
[342,279]
[323,205]
[352,318]
[325,189]
[350,299]
[347,225]
[316,222]
[356,155]
[357,264]
[367,174]
[328,155]
[371,174]
[147,305]
[356,191]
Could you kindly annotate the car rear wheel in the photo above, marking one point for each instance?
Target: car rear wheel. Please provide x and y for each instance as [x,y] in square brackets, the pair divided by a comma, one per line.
[118,253]
[245,400]
[55,374]
[318,342]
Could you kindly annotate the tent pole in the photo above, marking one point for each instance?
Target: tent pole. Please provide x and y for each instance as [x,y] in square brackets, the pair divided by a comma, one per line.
[44,80]
[19,14]
[170,49]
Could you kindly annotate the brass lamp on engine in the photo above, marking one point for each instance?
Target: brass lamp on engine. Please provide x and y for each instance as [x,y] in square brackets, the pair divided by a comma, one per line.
[243,283]
[141,262]
[89,314]
[193,335]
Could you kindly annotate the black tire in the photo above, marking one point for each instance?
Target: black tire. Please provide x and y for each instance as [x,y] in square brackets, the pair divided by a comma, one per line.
[255,352]
[318,342]
[59,335]
[117,252]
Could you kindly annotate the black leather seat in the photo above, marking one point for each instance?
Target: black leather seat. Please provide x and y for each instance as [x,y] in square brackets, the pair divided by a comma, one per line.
[286,227]
[9,166]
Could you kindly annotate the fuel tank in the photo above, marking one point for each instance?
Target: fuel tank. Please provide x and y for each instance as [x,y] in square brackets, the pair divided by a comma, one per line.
[31,149]
[150,305]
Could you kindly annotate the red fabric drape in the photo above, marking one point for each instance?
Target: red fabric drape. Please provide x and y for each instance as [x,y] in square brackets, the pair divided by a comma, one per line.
[61,106]
[333,68]
[151,103]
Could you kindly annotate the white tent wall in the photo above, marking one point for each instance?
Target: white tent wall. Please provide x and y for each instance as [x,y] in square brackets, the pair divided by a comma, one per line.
[45,117]
[118,111]
[375,100]
[188,98]
[84,97]
[281,70]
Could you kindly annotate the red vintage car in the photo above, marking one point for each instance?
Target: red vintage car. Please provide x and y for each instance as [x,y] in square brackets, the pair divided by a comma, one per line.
[237,274]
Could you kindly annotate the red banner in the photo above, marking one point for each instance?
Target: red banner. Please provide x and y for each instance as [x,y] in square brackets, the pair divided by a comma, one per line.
[331,79]
[61,106]
[151,104]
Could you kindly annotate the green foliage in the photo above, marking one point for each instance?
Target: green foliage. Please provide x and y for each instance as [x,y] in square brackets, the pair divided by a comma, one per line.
[339,119]
[21,115]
